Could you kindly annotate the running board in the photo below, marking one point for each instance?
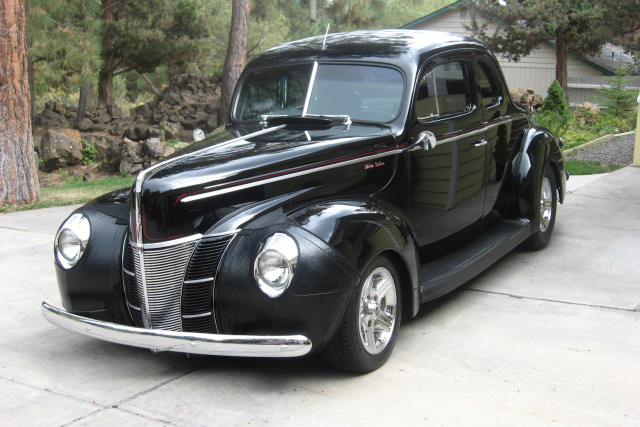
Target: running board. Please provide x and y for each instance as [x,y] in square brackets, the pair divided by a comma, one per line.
[446,273]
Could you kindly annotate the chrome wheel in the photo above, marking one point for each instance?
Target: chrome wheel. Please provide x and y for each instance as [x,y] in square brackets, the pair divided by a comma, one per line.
[377,310]
[546,204]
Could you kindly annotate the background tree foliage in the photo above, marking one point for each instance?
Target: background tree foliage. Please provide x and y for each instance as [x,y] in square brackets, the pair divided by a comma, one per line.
[65,41]
[141,35]
[581,27]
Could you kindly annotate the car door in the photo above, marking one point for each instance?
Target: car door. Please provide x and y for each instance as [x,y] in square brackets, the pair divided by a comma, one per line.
[501,135]
[447,182]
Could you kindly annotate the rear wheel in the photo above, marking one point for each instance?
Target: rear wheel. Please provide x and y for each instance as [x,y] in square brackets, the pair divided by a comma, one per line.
[368,331]
[547,203]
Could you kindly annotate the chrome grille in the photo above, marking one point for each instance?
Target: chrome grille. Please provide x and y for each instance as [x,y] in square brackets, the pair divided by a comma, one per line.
[176,282]
[197,294]
[130,285]
[163,274]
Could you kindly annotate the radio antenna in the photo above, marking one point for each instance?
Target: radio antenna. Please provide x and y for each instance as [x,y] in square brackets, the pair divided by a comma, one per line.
[324,42]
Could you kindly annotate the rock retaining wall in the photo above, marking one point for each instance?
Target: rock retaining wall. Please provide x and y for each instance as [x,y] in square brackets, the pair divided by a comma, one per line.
[129,143]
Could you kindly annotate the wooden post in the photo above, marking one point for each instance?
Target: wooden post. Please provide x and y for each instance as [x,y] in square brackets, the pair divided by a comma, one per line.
[636,150]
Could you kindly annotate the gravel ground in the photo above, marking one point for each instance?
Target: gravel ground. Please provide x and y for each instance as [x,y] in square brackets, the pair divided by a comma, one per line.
[617,151]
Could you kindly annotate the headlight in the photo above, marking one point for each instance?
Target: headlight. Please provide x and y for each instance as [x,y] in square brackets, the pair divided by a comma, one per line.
[275,264]
[72,239]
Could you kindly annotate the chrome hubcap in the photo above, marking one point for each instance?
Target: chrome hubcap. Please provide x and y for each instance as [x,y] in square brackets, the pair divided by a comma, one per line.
[377,310]
[546,204]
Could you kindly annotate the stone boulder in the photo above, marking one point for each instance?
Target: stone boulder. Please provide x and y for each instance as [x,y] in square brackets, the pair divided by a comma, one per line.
[132,157]
[85,124]
[593,109]
[154,147]
[526,97]
[114,112]
[103,118]
[108,149]
[171,129]
[137,132]
[59,148]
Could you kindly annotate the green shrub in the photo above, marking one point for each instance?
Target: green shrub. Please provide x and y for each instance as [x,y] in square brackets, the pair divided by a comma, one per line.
[585,126]
[89,152]
[554,113]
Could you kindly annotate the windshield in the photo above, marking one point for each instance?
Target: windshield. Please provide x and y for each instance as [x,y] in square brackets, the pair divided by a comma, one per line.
[363,92]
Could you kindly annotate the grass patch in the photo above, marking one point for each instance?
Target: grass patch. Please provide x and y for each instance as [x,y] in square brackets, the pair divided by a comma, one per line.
[73,193]
[582,167]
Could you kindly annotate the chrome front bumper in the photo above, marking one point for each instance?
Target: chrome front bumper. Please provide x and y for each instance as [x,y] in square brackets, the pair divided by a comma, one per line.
[184,342]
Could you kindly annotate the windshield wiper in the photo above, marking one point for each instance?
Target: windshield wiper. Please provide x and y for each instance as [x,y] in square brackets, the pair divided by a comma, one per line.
[344,118]
[328,119]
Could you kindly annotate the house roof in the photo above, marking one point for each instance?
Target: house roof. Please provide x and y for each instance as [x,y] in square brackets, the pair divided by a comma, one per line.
[609,58]
[433,14]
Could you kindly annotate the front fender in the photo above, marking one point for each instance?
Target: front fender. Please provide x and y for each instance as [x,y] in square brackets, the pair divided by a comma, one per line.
[363,229]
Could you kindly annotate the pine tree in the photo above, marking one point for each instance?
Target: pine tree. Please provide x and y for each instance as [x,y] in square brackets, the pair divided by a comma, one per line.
[65,43]
[619,100]
[554,113]
[140,35]
[581,27]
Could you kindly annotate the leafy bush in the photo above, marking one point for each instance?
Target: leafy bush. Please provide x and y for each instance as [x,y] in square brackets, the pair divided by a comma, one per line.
[585,126]
[89,152]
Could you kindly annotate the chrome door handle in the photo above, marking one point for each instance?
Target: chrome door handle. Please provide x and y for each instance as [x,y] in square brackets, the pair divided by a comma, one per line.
[480,143]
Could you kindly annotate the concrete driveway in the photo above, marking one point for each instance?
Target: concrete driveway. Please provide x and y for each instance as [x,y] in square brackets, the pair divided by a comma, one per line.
[540,339]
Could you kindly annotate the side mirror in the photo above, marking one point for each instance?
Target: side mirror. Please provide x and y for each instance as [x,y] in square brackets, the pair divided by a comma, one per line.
[561,142]
[426,140]
[198,135]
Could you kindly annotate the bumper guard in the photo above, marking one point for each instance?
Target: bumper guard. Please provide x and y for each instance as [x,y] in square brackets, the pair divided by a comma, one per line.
[184,342]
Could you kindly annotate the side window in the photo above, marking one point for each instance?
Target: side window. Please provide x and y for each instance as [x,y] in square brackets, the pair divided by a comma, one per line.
[444,90]
[489,89]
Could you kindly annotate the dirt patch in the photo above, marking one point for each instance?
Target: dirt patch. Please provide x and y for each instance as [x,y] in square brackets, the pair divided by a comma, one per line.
[76,173]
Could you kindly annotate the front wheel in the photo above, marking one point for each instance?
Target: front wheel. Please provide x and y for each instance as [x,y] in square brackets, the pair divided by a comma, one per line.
[366,336]
[547,202]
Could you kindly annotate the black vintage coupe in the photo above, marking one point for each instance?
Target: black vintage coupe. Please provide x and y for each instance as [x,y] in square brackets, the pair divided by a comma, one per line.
[360,174]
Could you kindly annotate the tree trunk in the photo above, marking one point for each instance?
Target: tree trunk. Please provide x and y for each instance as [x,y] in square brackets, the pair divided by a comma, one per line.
[313,10]
[84,103]
[561,62]
[105,86]
[18,174]
[236,54]
[32,78]
[153,87]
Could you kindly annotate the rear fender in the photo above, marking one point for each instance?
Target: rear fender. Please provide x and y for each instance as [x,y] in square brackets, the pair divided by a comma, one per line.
[363,229]
[538,149]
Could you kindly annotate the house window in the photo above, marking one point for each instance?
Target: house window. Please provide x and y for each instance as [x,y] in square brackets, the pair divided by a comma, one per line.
[444,90]
[463,12]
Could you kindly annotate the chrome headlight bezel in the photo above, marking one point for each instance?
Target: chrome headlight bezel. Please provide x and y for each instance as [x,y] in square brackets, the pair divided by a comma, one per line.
[71,240]
[278,252]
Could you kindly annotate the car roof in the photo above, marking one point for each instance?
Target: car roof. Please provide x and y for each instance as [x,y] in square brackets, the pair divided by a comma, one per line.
[399,47]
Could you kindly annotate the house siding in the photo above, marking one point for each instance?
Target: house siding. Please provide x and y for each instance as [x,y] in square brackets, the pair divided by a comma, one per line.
[536,70]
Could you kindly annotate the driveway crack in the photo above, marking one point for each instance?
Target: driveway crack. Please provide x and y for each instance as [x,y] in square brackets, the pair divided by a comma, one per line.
[605,198]
[554,300]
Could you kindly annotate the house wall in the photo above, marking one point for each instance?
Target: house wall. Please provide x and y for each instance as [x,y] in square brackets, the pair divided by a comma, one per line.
[536,70]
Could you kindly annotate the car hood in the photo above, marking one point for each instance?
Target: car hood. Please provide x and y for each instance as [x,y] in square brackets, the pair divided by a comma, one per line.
[241,169]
